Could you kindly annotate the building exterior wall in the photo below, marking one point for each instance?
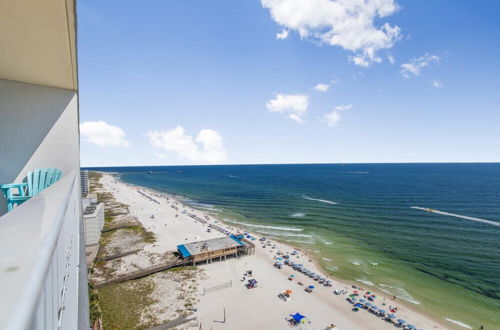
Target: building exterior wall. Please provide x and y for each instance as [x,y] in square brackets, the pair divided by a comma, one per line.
[84,176]
[93,225]
[38,129]
[214,254]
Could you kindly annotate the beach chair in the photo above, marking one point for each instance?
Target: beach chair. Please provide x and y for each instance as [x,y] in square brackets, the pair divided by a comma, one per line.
[35,182]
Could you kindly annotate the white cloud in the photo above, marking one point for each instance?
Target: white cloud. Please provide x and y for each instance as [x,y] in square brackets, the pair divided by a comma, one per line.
[292,105]
[437,84]
[322,87]
[415,65]
[349,24]
[391,59]
[333,118]
[282,35]
[207,147]
[103,134]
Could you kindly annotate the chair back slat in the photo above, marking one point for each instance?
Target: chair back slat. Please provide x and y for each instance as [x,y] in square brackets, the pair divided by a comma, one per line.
[30,177]
[48,177]
[42,184]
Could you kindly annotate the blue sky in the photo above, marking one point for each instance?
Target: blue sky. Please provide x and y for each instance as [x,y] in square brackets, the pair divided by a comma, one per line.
[209,82]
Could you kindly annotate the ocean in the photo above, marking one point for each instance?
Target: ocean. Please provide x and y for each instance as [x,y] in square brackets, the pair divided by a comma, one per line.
[367,223]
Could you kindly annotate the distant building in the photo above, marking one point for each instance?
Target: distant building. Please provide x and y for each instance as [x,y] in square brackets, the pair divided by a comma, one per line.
[84,179]
[93,216]
[220,247]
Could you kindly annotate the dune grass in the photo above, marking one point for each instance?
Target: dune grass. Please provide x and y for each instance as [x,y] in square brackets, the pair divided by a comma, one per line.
[126,305]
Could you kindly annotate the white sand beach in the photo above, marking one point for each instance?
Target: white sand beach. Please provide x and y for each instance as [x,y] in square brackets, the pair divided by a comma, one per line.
[260,307]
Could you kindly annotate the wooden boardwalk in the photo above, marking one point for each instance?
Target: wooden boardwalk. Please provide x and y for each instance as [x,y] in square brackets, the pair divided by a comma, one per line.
[142,272]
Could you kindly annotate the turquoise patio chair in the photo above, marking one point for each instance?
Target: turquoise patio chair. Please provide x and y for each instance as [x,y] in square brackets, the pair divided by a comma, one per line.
[36,181]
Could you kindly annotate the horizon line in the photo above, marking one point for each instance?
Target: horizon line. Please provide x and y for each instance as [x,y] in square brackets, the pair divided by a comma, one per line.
[267,164]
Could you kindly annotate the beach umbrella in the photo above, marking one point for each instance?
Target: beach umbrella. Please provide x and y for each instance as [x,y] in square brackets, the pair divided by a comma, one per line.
[362,300]
[374,307]
[311,286]
[358,305]
[288,291]
[411,326]
[391,316]
[355,291]
[401,321]
[368,304]
[292,275]
[381,311]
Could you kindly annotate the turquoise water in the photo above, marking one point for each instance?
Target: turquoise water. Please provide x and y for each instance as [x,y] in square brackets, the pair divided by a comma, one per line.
[359,221]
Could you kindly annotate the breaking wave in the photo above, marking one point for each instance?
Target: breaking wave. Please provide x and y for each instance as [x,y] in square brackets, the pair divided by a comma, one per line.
[364,281]
[298,215]
[463,325]
[269,227]
[399,292]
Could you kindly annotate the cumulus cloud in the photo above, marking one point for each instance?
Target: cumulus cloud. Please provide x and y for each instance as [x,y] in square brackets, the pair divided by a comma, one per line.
[207,147]
[349,24]
[437,84]
[333,118]
[292,105]
[415,65]
[103,134]
[322,87]
[282,35]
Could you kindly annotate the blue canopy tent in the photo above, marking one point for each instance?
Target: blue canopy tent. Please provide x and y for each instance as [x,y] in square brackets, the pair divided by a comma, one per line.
[362,300]
[297,317]
[401,321]
[411,326]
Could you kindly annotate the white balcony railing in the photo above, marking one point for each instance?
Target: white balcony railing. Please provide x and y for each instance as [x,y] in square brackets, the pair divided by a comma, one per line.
[39,259]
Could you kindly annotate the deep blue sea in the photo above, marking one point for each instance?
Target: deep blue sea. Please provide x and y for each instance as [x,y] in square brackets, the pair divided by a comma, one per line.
[359,222]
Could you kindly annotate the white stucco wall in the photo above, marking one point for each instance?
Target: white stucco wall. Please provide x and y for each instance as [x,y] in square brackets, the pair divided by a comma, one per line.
[93,225]
[38,129]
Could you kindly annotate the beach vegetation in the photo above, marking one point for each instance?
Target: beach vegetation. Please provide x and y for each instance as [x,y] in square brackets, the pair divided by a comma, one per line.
[94,184]
[127,305]
[94,309]
[147,236]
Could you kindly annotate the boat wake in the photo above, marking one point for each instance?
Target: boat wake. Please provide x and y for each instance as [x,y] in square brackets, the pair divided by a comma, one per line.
[320,200]
[457,215]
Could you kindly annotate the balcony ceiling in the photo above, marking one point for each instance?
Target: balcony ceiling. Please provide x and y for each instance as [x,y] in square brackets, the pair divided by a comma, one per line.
[38,42]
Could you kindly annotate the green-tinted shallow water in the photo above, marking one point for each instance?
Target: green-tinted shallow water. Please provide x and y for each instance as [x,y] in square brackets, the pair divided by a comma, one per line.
[359,220]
